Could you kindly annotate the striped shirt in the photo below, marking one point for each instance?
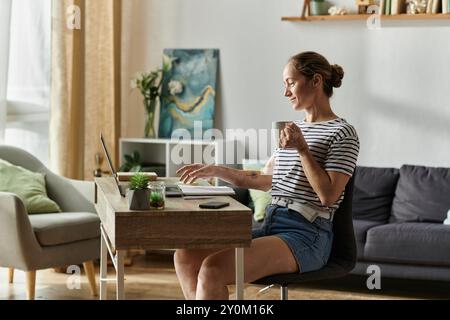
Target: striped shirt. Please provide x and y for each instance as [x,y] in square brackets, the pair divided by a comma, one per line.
[334,145]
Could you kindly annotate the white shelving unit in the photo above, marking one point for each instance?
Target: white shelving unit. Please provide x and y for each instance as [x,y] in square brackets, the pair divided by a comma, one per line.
[174,154]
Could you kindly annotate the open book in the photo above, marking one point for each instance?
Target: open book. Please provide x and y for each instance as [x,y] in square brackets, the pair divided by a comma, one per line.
[189,190]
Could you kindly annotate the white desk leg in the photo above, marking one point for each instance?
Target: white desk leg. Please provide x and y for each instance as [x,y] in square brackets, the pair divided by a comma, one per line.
[103,266]
[239,273]
[120,274]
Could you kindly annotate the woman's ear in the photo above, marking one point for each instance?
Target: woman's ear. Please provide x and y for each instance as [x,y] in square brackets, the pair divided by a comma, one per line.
[317,80]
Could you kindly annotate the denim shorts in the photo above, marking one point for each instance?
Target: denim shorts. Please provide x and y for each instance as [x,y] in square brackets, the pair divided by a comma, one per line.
[310,243]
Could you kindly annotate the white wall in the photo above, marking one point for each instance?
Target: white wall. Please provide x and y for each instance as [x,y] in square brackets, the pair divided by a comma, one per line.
[396,89]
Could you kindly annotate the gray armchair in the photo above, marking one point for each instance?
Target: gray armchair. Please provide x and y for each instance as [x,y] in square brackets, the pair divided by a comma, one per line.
[42,241]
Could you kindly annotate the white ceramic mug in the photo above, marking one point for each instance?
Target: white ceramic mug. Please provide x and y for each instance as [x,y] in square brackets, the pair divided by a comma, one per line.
[277,127]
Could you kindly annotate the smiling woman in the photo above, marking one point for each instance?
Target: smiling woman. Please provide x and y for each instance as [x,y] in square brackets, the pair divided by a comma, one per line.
[307,176]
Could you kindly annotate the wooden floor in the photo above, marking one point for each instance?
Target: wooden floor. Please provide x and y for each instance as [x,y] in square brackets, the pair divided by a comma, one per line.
[152,277]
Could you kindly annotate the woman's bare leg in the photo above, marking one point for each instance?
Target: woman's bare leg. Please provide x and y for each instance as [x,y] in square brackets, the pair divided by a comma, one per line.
[266,256]
[187,265]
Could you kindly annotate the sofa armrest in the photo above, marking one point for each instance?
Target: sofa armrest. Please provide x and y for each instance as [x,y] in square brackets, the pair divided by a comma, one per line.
[18,244]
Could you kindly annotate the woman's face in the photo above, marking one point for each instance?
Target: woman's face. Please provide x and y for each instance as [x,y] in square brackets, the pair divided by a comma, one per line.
[298,89]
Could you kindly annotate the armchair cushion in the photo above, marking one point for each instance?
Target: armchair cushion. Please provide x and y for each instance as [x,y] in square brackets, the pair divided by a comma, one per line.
[29,187]
[55,229]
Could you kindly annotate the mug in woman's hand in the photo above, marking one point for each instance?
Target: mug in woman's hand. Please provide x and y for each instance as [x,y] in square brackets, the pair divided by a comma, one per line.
[277,128]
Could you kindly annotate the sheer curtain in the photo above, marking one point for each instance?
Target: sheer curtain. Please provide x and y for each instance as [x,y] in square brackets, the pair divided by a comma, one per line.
[28,76]
[5,15]
[85,97]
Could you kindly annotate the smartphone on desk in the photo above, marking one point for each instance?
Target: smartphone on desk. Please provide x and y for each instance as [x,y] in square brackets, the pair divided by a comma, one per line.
[214,205]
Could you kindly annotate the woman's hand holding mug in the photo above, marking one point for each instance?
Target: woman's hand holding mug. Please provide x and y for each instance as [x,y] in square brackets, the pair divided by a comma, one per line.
[292,137]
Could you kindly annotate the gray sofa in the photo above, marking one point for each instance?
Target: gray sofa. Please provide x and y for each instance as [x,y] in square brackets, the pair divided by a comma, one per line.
[398,219]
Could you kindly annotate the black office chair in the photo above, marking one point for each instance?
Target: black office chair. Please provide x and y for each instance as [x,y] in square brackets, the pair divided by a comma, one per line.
[343,253]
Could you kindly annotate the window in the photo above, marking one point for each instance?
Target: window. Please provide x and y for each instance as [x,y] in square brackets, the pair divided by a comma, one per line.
[29,71]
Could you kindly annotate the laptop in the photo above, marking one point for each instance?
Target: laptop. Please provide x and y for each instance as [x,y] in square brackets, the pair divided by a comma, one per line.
[121,188]
[172,190]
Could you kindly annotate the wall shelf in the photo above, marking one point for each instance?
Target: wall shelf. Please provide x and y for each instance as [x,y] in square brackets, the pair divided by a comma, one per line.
[348,17]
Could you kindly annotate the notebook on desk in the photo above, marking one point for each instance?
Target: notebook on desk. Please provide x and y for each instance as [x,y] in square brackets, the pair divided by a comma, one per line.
[189,190]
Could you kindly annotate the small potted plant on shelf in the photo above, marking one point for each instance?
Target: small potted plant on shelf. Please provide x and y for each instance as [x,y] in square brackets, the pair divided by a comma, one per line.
[318,7]
[139,193]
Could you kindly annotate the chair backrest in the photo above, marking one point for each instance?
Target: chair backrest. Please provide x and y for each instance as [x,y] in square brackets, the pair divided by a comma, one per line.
[343,251]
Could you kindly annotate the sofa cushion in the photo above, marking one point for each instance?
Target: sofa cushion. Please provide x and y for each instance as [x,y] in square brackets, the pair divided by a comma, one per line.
[410,242]
[54,229]
[422,194]
[373,193]
[361,227]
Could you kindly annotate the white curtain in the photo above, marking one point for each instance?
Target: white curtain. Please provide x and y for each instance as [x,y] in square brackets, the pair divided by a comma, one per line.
[5,17]
[28,76]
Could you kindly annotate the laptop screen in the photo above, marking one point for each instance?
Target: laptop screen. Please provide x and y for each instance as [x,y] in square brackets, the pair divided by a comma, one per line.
[107,156]
[122,192]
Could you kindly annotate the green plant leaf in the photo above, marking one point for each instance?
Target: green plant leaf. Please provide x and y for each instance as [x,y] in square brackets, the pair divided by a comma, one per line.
[136,156]
[139,181]
[128,158]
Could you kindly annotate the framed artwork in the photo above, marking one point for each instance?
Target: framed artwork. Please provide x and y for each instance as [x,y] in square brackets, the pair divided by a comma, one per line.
[188,90]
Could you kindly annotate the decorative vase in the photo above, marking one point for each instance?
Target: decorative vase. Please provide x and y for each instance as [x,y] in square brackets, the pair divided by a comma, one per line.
[150,106]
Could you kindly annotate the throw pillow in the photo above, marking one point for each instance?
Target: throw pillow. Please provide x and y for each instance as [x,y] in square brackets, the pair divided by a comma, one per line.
[422,194]
[28,186]
[260,199]
[373,193]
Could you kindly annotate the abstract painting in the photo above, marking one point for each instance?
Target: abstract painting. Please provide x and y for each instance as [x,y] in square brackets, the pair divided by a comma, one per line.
[188,90]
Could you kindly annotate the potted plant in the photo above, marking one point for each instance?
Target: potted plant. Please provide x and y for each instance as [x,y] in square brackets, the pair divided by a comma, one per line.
[138,195]
[132,163]
[318,7]
[157,195]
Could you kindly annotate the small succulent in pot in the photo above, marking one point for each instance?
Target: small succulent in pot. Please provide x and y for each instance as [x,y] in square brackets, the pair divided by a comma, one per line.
[157,195]
[139,181]
[138,194]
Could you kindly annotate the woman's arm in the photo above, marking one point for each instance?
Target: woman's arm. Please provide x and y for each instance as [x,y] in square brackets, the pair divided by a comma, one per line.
[328,185]
[239,178]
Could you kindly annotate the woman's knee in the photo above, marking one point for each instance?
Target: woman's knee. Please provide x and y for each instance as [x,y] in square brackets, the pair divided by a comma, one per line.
[187,258]
[183,256]
[211,271]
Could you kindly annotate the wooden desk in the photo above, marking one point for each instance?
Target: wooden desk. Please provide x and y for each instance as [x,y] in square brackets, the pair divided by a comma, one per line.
[182,224]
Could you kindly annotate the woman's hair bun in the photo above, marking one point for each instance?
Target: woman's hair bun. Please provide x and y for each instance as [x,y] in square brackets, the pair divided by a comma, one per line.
[337,74]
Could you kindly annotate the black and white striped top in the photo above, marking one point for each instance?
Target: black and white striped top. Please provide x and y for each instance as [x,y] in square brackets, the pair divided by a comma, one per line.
[334,145]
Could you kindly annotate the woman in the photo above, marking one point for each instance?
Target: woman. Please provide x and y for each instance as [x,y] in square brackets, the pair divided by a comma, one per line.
[307,175]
